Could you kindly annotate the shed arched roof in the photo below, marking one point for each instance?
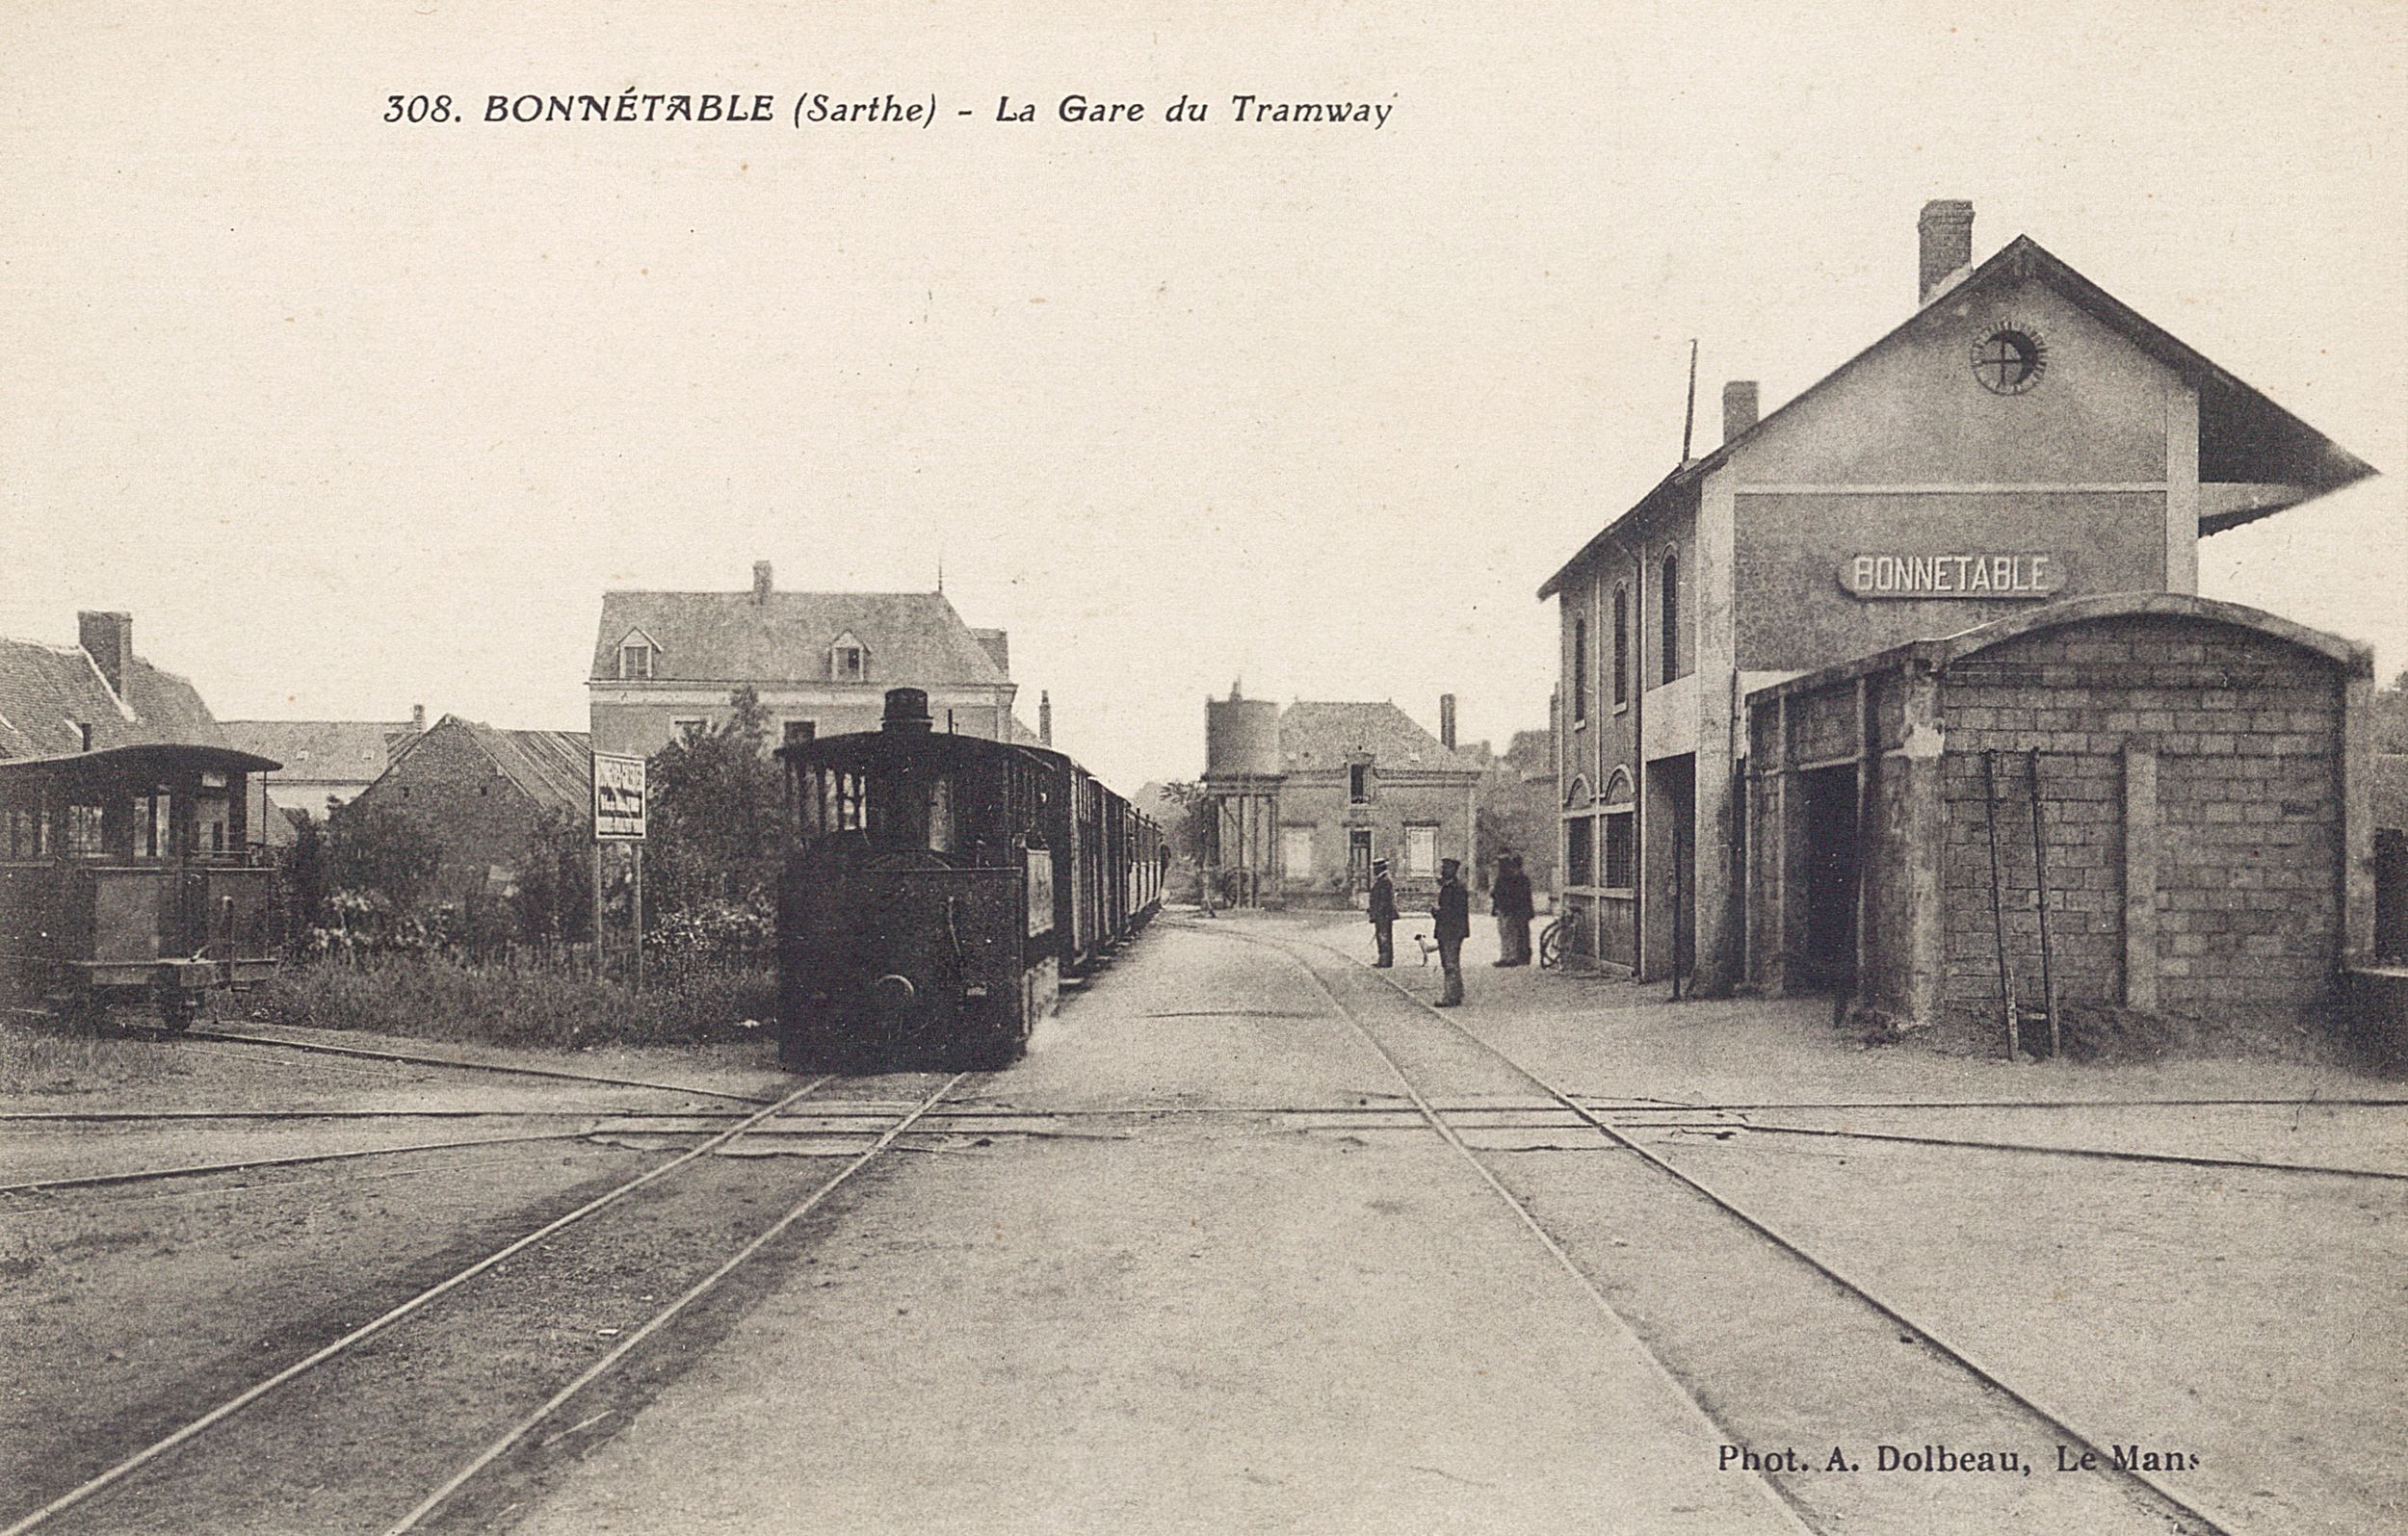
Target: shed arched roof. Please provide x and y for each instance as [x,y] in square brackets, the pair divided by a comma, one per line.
[2348,655]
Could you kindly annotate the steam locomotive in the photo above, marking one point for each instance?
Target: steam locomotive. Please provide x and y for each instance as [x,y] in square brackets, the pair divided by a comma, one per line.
[942,889]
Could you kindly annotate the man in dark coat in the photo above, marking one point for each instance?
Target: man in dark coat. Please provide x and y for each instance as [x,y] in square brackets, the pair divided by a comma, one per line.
[1383,913]
[1453,912]
[1513,908]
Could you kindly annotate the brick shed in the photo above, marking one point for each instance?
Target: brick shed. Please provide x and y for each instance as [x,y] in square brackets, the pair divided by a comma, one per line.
[2203,835]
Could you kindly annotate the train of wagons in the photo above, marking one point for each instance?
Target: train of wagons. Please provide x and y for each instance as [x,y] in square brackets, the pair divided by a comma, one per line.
[942,891]
[129,880]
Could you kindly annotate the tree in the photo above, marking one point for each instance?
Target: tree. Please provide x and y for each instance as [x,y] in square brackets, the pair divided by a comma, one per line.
[717,814]
[373,848]
[1517,806]
[2390,715]
[555,898]
[304,870]
[1185,815]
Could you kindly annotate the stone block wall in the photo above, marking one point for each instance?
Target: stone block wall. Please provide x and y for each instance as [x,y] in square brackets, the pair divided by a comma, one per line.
[2214,751]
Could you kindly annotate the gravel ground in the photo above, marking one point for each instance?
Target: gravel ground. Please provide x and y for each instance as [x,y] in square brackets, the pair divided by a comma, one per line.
[1178,1309]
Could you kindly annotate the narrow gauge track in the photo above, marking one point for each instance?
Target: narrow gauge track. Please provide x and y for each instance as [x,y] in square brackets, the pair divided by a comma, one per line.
[1774,1497]
[1675,1104]
[605,1122]
[2107,1153]
[126,1476]
[509,1069]
[1586,1101]
[195,1170]
[2188,1507]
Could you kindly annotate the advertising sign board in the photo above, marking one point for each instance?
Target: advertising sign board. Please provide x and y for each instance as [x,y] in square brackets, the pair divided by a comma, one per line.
[618,799]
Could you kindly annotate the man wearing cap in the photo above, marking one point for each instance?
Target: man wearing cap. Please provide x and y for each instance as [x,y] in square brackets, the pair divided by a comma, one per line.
[1383,913]
[1453,912]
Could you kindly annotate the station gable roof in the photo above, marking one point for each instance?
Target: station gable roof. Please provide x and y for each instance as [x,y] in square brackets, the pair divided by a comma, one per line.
[2244,437]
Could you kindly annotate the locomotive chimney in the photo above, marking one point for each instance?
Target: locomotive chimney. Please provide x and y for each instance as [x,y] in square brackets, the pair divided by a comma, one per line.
[1045,719]
[108,638]
[1446,722]
[1945,244]
[907,711]
[760,580]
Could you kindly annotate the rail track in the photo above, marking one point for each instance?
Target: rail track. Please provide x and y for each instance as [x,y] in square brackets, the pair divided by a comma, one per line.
[504,1068]
[194,1170]
[2184,1510]
[140,1490]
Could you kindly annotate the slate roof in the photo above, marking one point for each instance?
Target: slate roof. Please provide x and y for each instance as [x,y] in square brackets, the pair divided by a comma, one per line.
[553,769]
[1321,735]
[339,751]
[47,692]
[2242,434]
[914,638]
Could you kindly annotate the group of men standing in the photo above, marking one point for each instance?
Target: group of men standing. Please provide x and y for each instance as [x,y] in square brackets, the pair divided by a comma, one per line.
[1510,899]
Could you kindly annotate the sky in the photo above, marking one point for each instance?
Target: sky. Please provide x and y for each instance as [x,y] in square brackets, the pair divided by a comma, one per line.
[356,415]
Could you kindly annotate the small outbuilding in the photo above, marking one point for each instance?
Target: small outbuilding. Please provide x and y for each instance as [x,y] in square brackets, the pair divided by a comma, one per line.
[2144,800]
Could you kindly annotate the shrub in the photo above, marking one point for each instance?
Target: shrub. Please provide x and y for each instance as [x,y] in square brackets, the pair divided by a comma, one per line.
[713,935]
[437,996]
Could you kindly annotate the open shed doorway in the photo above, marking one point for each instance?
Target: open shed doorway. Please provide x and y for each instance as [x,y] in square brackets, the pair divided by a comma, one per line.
[1825,954]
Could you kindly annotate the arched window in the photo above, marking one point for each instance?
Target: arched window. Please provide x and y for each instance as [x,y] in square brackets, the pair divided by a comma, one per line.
[1621,646]
[1580,669]
[1670,604]
[1620,872]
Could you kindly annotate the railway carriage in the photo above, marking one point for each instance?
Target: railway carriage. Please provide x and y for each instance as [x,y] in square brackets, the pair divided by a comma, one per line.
[128,877]
[940,891]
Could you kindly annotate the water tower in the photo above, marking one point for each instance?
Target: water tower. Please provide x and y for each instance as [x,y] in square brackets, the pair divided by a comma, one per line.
[1242,779]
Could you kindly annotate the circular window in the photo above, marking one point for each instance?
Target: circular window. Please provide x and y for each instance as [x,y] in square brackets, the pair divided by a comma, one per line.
[2010,359]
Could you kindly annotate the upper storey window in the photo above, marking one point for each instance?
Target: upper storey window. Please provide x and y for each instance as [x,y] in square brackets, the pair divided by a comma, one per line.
[1672,605]
[635,659]
[1580,669]
[1621,646]
[849,660]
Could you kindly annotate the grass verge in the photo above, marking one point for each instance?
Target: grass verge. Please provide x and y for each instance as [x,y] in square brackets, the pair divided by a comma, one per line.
[434,996]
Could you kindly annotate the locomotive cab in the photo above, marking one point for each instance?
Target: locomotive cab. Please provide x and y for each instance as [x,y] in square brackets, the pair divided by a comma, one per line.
[127,875]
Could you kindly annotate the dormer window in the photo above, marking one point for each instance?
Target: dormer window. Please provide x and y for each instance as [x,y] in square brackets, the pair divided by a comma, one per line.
[849,660]
[634,657]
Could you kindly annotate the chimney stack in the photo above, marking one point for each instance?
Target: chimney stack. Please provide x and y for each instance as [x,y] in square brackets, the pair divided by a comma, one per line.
[1946,245]
[1739,407]
[1446,722]
[417,719]
[760,580]
[1045,719]
[108,638]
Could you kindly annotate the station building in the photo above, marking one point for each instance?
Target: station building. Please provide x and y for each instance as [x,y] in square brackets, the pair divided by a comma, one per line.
[1303,799]
[1812,675]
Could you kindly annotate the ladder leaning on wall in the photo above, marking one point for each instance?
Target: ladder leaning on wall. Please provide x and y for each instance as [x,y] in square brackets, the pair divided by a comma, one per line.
[2010,1013]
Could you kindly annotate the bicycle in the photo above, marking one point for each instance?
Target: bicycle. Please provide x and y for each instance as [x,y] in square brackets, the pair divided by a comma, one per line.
[1551,944]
